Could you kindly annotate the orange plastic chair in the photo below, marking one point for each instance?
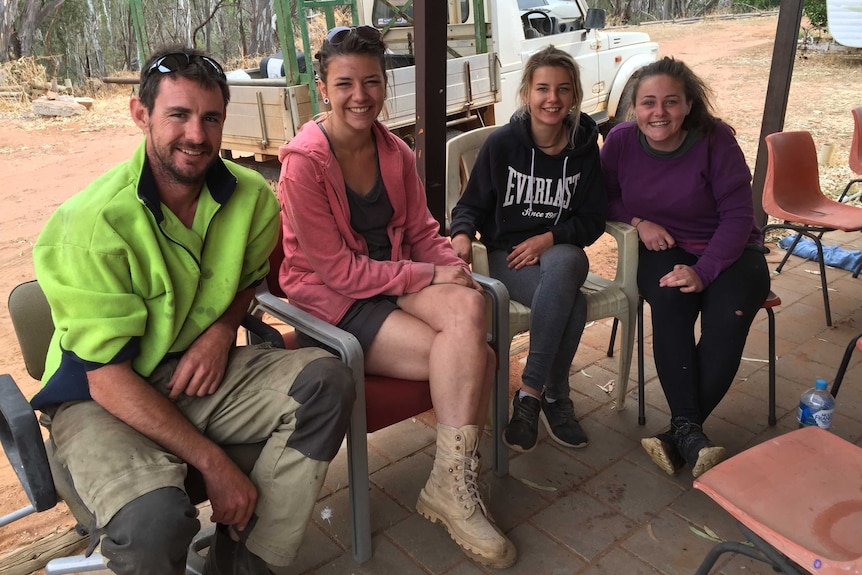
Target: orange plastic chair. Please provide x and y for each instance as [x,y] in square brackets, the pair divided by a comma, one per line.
[855,156]
[797,500]
[792,193]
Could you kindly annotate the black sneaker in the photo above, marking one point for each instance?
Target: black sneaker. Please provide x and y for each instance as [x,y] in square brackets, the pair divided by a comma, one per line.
[522,431]
[561,423]
[694,446]
[662,450]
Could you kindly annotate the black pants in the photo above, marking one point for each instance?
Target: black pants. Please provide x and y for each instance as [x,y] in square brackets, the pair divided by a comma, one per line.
[695,375]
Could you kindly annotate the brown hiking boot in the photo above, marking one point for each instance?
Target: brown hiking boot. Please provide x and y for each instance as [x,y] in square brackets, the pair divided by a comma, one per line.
[451,496]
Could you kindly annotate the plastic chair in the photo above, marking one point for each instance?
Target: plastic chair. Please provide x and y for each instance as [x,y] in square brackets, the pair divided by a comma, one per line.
[43,480]
[772,300]
[615,298]
[792,193]
[797,499]
[383,401]
[855,156]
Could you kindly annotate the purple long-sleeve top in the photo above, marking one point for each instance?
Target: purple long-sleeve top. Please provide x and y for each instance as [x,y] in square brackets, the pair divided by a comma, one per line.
[701,196]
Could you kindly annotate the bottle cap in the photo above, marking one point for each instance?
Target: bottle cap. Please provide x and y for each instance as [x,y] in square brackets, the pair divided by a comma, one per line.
[820,384]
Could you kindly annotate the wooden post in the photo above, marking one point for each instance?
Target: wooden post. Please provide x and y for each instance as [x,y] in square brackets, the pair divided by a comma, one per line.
[775,107]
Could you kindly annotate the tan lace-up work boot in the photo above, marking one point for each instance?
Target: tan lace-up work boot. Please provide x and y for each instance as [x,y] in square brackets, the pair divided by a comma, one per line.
[451,496]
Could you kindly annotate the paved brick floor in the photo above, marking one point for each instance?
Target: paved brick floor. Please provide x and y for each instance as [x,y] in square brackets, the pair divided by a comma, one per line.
[605,509]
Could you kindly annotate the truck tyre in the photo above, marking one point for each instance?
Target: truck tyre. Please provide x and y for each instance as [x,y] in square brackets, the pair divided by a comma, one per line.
[624,110]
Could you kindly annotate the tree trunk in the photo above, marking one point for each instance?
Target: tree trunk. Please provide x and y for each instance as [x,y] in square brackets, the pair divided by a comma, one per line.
[10,47]
[35,13]
[92,35]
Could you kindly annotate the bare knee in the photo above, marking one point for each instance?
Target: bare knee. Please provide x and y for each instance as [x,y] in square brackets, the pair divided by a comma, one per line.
[468,311]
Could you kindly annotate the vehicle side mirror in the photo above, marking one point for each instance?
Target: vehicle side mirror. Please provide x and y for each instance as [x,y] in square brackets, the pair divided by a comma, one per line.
[595,19]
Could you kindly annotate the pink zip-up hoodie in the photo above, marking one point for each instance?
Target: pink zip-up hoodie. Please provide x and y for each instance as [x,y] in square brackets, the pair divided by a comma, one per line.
[326,266]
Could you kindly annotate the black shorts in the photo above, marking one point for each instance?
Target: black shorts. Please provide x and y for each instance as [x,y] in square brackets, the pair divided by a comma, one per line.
[363,319]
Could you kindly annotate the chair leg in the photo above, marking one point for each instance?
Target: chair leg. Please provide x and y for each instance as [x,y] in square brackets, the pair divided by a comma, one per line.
[76,564]
[500,406]
[613,337]
[788,252]
[842,369]
[641,376]
[758,549]
[771,319]
[357,476]
[823,281]
[625,363]
[203,540]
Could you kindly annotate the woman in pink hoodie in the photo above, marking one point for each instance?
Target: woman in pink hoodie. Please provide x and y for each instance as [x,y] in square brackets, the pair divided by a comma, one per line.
[363,252]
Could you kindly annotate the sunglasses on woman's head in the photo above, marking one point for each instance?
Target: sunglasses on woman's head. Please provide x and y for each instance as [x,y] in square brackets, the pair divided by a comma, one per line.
[340,33]
[180,61]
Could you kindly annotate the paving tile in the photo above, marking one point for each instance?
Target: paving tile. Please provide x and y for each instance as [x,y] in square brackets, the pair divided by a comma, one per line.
[634,492]
[402,439]
[426,543]
[539,555]
[667,544]
[606,445]
[802,368]
[698,509]
[551,470]
[585,525]
[625,422]
[587,381]
[510,501]
[403,480]
[466,567]
[747,411]
[731,436]
[317,549]
[619,562]
[332,515]
[387,559]
[336,476]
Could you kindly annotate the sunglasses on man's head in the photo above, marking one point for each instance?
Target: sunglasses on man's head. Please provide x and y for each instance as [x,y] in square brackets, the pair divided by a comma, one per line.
[340,33]
[180,61]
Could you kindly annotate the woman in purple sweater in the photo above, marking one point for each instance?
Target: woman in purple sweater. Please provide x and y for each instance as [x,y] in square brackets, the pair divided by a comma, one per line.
[678,175]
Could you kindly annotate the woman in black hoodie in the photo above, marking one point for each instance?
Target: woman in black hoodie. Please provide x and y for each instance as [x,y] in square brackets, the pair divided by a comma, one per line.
[535,197]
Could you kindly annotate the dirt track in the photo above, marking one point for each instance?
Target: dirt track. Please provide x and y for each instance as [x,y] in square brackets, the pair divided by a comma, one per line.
[44,162]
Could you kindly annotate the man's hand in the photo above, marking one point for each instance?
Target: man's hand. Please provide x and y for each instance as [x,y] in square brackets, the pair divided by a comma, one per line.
[232,495]
[454,275]
[463,246]
[684,278]
[201,368]
[529,252]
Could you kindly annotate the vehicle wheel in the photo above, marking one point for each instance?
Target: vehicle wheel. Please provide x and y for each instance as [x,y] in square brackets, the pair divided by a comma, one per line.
[624,110]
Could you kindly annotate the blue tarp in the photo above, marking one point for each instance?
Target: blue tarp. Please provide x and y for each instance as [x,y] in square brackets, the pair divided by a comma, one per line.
[832,255]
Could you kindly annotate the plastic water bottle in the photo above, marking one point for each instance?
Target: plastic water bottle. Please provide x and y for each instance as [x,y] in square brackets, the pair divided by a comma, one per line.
[816,406]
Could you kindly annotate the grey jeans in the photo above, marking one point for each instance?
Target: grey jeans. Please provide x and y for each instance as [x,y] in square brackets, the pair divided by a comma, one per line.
[558,312]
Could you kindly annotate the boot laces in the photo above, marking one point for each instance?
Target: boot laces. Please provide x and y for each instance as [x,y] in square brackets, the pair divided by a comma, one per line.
[469,488]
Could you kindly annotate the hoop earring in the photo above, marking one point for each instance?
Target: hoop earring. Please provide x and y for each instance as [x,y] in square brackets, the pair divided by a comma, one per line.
[326,101]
